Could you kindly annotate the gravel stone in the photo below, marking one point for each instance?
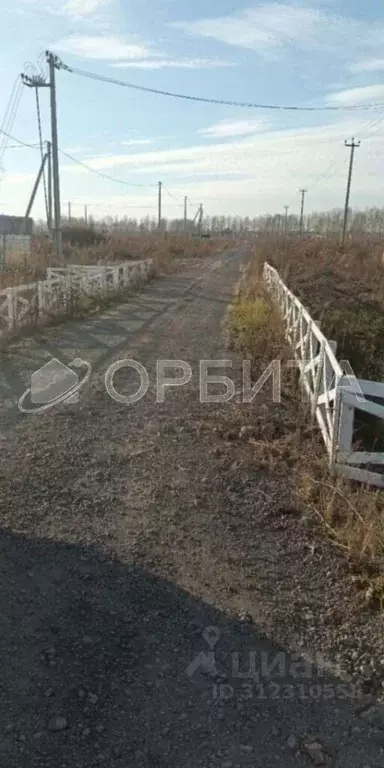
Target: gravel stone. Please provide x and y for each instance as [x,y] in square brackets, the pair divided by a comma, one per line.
[57,724]
[119,516]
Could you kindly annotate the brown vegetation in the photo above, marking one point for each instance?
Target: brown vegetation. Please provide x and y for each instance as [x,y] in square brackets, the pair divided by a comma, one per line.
[165,250]
[345,291]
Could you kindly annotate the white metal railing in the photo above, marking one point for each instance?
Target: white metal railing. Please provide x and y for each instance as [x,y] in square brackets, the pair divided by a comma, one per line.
[333,395]
[21,304]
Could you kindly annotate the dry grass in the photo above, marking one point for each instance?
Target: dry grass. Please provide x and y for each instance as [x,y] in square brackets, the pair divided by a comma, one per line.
[350,514]
[344,292]
[168,254]
[167,251]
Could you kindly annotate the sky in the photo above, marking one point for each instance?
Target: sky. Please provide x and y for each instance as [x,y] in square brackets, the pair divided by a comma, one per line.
[238,161]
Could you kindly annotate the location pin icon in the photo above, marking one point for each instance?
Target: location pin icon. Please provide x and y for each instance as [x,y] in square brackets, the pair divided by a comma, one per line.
[211,635]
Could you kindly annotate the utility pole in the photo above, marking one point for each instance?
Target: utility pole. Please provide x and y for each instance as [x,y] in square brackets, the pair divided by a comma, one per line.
[185,214]
[49,157]
[86,215]
[52,61]
[200,218]
[303,191]
[286,220]
[159,213]
[353,145]
[69,213]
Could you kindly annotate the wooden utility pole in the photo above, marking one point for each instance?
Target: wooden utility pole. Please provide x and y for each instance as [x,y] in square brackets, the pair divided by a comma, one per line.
[200,218]
[86,215]
[185,214]
[69,213]
[51,58]
[303,191]
[286,220]
[353,145]
[159,207]
[49,157]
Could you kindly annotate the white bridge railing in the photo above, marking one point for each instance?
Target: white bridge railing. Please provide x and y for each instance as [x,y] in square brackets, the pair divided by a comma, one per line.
[22,304]
[334,396]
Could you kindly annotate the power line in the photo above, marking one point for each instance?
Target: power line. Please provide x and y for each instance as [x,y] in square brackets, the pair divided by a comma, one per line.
[18,146]
[10,114]
[42,153]
[116,205]
[180,205]
[84,165]
[19,142]
[105,175]
[230,103]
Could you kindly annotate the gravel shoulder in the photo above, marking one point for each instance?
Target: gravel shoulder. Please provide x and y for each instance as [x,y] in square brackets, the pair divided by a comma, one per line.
[161,599]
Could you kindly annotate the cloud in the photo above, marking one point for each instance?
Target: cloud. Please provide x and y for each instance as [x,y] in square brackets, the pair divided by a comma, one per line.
[174,64]
[367,65]
[83,8]
[128,53]
[74,9]
[229,128]
[352,96]
[107,47]
[271,29]
[279,157]
[137,142]
[267,27]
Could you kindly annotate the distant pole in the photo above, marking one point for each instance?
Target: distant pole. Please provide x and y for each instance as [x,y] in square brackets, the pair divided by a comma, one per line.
[69,213]
[303,191]
[159,212]
[49,156]
[200,218]
[286,220]
[185,214]
[353,145]
[86,215]
[55,155]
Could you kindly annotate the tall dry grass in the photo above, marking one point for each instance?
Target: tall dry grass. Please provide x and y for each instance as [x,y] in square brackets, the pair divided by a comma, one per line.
[350,514]
[167,251]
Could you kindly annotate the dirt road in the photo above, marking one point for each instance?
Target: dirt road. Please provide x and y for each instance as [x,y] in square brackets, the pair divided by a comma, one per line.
[138,563]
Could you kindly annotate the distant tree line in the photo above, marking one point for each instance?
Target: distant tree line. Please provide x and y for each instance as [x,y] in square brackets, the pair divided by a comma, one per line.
[329,223]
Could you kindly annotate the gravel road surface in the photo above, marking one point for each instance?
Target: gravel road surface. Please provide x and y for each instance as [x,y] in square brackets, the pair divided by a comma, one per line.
[148,614]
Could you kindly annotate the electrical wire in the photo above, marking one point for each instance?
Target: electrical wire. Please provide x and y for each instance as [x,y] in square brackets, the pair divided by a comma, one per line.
[19,142]
[10,114]
[104,175]
[226,102]
[18,146]
[179,205]
[9,106]
[116,205]
[42,154]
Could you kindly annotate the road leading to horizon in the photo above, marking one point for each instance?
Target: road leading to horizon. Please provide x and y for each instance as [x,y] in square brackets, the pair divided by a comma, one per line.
[132,626]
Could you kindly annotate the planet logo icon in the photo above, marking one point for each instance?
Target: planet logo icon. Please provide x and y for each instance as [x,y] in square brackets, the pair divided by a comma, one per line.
[52,384]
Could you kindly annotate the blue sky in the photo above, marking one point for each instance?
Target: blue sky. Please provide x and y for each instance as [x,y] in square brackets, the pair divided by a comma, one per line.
[239,161]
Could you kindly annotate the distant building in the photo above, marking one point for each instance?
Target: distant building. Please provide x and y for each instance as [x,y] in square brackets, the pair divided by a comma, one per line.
[12,225]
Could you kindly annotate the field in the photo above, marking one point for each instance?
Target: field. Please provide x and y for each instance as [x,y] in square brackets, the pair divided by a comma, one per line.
[344,292]
[166,250]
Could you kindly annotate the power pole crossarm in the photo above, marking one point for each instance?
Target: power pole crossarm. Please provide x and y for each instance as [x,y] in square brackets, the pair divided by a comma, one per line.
[352,145]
